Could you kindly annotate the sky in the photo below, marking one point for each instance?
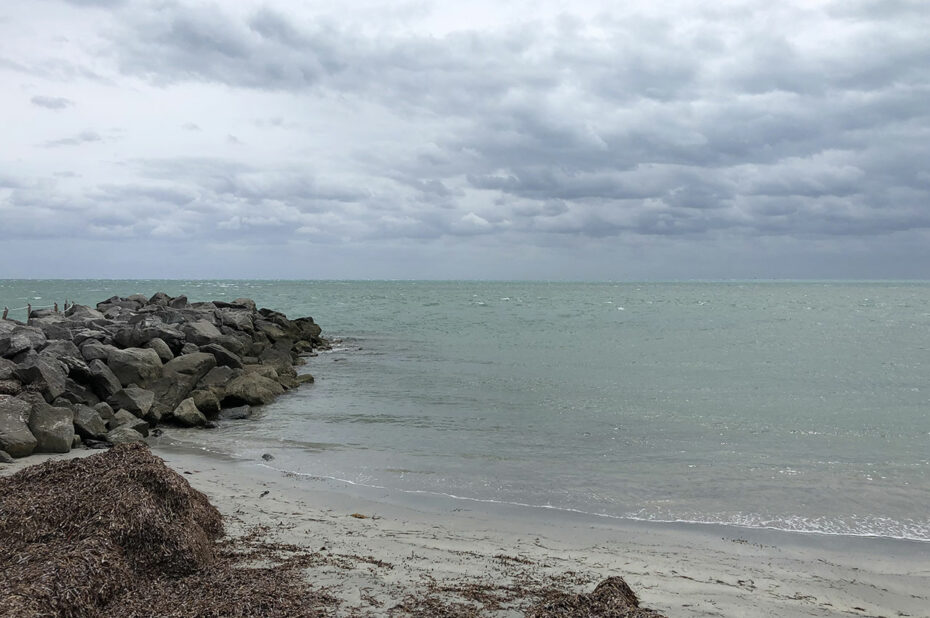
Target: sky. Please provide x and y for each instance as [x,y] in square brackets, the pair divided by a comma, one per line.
[589,140]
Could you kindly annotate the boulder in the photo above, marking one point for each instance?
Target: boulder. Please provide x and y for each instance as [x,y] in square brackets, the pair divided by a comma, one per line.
[76,392]
[161,348]
[52,427]
[237,413]
[207,402]
[84,335]
[252,389]
[105,411]
[76,367]
[135,366]
[122,417]
[160,299]
[270,330]
[87,423]
[305,378]
[94,350]
[307,328]
[21,339]
[5,457]
[103,381]
[237,318]
[189,348]
[80,313]
[248,303]
[201,332]
[178,302]
[10,387]
[188,415]
[6,369]
[133,399]
[180,376]
[224,357]
[124,434]
[44,375]
[266,371]
[15,437]
[238,345]
[61,349]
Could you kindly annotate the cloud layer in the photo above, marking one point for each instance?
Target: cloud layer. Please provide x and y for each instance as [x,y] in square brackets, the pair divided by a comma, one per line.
[734,140]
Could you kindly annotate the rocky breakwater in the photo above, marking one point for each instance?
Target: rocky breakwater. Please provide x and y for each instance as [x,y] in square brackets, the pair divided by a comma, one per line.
[111,374]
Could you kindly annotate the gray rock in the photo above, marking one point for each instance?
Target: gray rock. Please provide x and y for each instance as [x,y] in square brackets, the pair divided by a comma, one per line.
[15,437]
[43,374]
[123,435]
[79,313]
[161,348]
[188,415]
[189,348]
[238,345]
[87,423]
[207,402]
[133,399]
[52,427]
[61,349]
[178,302]
[237,413]
[238,319]
[6,369]
[201,332]
[5,457]
[105,411]
[135,366]
[83,336]
[103,381]
[122,417]
[160,299]
[252,389]
[270,330]
[76,367]
[266,371]
[21,339]
[180,376]
[94,350]
[10,387]
[224,357]
[248,303]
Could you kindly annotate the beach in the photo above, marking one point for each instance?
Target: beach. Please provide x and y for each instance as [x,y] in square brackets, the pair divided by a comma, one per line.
[385,550]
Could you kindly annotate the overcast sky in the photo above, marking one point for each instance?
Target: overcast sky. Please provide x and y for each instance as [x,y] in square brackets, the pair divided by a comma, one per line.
[606,140]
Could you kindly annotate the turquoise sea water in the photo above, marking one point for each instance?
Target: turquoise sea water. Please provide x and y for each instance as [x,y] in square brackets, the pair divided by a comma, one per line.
[797,406]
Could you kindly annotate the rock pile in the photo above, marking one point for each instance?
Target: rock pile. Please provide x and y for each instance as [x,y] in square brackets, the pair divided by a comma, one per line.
[108,375]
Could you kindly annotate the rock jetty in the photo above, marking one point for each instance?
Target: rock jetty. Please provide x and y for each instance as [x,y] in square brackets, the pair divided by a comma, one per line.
[111,374]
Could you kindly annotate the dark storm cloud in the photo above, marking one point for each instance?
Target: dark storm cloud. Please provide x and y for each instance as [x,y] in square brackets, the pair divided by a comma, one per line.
[51,102]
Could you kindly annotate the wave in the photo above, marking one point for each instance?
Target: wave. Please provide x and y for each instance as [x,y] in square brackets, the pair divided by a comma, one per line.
[870,527]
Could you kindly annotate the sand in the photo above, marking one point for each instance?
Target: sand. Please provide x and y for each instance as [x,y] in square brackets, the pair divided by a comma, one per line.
[384,547]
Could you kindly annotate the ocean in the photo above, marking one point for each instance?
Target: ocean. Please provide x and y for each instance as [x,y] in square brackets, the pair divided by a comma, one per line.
[799,406]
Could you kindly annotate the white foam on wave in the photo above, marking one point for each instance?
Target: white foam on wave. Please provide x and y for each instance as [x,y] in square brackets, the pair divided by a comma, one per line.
[873,527]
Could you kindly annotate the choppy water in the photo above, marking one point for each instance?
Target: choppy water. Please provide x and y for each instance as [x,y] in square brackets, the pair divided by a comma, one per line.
[798,406]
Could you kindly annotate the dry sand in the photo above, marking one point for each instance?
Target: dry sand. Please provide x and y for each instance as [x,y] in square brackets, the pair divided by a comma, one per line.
[382,550]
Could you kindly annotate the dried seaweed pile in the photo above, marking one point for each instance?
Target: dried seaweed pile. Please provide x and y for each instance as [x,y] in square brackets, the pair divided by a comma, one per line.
[612,598]
[120,533]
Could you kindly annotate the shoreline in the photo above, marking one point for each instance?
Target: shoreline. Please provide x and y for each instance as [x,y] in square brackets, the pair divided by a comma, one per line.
[169,441]
[679,569]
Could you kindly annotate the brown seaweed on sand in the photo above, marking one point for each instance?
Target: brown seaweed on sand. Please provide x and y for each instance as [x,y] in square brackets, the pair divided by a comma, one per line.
[120,533]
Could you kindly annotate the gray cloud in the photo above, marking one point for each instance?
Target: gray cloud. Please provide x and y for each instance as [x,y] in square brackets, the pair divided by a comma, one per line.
[84,137]
[52,102]
[718,125]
